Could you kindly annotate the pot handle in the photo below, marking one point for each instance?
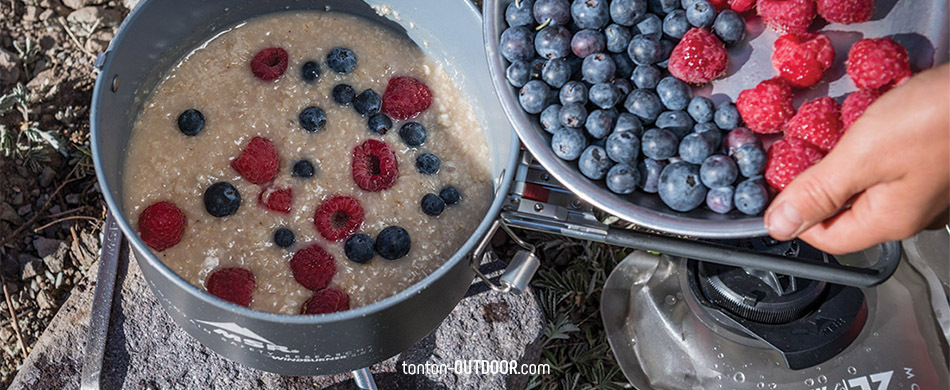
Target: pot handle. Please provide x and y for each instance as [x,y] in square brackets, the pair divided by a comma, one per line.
[520,269]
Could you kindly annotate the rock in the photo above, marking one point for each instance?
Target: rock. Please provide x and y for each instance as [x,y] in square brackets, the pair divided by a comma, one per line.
[5,334]
[89,15]
[130,3]
[45,15]
[18,199]
[47,246]
[76,4]
[9,67]
[99,41]
[72,199]
[24,210]
[7,213]
[41,80]
[55,261]
[47,176]
[31,269]
[31,14]
[44,300]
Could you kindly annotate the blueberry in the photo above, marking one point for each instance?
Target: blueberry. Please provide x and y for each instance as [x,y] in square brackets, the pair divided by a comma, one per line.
[553,42]
[310,71]
[518,13]
[450,195]
[629,122]
[517,44]
[663,7]
[674,93]
[573,92]
[343,94]
[568,144]
[598,68]
[341,60]
[359,248]
[623,147]
[572,115]
[367,103]
[675,24]
[432,204]
[666,48]
[549,118]
[312,119]
[594,163]
[622,84]
[600,123]
[645,76]
[556,72]
[222,199]
[552,12]
[643,50]
[718,171]
[627,12]
[393,243]
[751,197]
[710,131]
[605,95]
[518,73]
[624,68]
[678,122]
[751,160]
[644,104]
[701,14]
[534,96]
[726,116]
[191,122]
[680,188]
[650,170]
[379,124]
[303,168]
[659,144]
[650,25]
[283,237]
[695,148]
[413,133]
[618,38]
[623,179]
[428,164]
[738,137]
[730,27]
[593,14]
[587,42]
[700,109]
[719,199]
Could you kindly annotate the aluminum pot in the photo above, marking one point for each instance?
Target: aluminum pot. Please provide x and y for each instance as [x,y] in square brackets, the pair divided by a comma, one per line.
[153,37]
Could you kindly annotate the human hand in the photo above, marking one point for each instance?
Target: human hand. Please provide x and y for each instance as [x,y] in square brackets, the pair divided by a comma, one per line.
[892,167]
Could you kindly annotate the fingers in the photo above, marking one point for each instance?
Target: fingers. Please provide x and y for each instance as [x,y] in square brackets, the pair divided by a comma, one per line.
[849,231]
[816,194]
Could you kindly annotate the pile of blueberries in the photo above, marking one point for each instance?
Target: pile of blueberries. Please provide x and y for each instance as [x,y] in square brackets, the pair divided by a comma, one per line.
[594,72]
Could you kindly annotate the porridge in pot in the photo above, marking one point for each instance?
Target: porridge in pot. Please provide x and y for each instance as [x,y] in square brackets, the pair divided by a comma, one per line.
[306,162]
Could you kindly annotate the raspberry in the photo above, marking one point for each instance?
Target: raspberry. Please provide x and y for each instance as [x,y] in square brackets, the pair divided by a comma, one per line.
[406,97]
[313,267]
[338,217]
[699,57]
[258,162]
[161,225]
[276,199]
[817,122]
[374,166]
[234,285]
[877,63]
[741,6]
[787,16]
[766,108]
[788,158]
[328,300]
[855,104]
[845,11]
[803,58]
[269,64]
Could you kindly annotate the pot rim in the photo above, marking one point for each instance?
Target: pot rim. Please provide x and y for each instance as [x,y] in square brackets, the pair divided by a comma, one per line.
[535,141]
[101,87]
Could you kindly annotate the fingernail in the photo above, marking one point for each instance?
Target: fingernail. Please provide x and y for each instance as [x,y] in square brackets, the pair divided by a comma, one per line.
[784,222]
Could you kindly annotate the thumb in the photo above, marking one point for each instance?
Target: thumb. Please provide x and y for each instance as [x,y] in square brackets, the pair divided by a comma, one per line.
[816,194]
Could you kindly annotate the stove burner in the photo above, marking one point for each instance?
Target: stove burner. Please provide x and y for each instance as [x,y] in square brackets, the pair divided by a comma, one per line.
[756,295]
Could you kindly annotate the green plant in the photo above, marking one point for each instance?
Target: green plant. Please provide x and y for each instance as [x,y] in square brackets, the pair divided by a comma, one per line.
[27,140]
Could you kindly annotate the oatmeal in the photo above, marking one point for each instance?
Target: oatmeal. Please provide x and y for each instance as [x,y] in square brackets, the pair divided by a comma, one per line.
[247,163]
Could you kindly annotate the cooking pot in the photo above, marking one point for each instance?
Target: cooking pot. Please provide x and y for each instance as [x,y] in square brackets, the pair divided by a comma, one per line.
[152,38]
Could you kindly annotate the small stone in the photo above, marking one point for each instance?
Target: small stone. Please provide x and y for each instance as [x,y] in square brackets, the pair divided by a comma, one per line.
[130,3]
[47,176]
[55,261]
[18,199]
[42,80]
[5,334]
[76,4]
[99,41]
[45,15]
[72,199]
[9,67]
[44,300]
[7,213]
[47,246]
[89,15]
[24,210]
[31,269]
[32,14]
